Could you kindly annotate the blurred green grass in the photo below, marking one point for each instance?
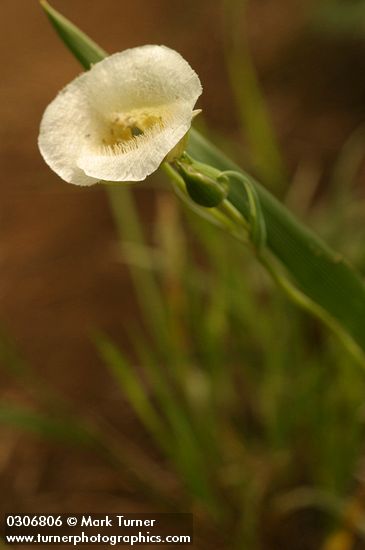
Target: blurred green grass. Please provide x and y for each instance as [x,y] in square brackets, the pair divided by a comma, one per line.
[341,17]
[252,401]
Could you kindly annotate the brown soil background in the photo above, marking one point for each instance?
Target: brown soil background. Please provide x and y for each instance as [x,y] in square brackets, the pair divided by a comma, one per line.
[60,273]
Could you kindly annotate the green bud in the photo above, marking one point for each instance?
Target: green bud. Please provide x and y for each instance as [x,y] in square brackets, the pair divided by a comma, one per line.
[205,185]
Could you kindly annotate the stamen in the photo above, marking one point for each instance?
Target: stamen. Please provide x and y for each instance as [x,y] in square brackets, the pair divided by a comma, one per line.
[136,131]
[123,129]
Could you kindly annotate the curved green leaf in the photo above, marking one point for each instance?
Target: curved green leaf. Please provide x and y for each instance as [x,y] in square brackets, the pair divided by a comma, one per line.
[319,272]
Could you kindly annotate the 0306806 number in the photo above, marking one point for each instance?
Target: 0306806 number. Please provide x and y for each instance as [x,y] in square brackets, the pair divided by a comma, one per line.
[33,521]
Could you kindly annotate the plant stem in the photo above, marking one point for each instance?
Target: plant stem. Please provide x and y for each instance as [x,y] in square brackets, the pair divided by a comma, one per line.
[300,299]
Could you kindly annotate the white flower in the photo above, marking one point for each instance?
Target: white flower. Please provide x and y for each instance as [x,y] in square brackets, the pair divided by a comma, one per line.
[118,121]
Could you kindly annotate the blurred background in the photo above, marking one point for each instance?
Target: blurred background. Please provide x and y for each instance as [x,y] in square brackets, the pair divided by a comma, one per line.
[167,373]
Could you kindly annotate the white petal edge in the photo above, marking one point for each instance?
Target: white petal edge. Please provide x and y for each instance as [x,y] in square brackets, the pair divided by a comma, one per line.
[64,125]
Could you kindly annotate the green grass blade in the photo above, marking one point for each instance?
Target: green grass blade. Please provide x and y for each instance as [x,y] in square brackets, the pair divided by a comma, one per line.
[83,48]
[148,294]
[59,429]
[131,386]
[319,273]
[179,444]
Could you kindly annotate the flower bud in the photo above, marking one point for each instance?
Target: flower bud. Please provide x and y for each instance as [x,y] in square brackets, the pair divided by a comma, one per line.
[205,185]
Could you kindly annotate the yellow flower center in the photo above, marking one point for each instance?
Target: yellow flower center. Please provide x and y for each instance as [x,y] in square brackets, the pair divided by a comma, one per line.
[124,127]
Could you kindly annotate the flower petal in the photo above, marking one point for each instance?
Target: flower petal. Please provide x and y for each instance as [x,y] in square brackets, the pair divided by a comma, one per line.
[64,127]
[137,77]
[141,156]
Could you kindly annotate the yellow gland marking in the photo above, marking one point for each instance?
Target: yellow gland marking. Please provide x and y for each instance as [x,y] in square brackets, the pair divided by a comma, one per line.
[122,128]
